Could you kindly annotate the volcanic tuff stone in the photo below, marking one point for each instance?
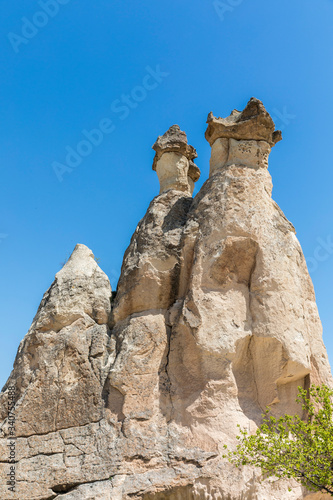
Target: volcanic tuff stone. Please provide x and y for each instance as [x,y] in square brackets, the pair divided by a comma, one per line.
[174,140]
[173,161]
[214,318]
[253,123]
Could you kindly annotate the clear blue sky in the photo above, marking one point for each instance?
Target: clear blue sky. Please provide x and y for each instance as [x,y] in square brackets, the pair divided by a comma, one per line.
[71,73]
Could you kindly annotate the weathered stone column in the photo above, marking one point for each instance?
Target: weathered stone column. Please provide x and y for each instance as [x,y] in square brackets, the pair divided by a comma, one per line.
[248,328]
[173,161]
[148,286]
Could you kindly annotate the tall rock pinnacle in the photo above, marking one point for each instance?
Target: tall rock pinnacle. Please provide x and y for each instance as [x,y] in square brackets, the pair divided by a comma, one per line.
[173,161]
[214,319]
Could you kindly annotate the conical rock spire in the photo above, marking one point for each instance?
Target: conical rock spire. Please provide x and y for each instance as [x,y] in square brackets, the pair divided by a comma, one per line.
[80,288]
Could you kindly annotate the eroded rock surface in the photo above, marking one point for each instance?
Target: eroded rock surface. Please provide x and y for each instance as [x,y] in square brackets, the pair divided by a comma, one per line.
[214,319]
[173,161]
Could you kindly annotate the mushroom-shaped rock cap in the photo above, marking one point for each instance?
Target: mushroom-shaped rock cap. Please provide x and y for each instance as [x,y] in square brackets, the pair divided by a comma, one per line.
[254,123]
[173,141]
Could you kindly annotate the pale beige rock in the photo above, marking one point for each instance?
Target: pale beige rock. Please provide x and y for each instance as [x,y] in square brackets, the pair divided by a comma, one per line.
[173,140]
[172,170]
[219,154]
[80,289]
[173,161]
[227,152]
[214,318]
[59,374]
[248,153]
[150,270]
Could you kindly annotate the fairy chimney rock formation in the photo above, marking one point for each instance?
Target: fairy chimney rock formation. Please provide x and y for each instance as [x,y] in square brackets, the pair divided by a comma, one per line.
[173,161]
[133,395]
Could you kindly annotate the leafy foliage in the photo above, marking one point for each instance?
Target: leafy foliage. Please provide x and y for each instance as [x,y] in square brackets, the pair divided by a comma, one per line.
[292,447]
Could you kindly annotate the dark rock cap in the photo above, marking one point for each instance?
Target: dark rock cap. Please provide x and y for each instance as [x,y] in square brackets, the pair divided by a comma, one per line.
[173,141]
[253,123]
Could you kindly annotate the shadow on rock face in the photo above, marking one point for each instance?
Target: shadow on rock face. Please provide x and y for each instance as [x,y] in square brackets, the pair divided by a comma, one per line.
[257,367]
[177,217]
